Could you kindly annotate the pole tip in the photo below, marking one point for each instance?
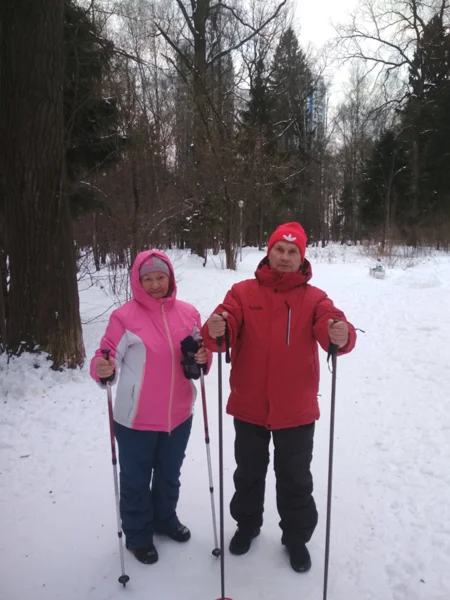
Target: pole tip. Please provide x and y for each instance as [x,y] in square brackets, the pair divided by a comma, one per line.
[216,552]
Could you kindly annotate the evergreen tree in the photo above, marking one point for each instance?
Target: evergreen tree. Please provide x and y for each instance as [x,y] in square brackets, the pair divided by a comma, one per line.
[384,187]
[258,154]
[291,85]
[91,120]
[426,123]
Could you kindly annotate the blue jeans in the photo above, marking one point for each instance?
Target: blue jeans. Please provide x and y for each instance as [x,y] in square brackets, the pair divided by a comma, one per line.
[150,458]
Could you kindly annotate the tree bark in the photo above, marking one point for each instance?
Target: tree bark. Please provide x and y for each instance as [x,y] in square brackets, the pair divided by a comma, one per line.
[43,302]
[3,296]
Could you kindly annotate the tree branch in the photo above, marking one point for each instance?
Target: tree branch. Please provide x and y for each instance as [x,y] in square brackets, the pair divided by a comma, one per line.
[234,13]
[186,16]
[255,32]
[172,44]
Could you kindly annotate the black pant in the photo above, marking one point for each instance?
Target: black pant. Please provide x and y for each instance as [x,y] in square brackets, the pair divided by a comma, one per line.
[292,462]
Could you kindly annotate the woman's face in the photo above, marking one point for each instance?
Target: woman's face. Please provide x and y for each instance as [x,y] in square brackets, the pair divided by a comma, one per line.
[156,284]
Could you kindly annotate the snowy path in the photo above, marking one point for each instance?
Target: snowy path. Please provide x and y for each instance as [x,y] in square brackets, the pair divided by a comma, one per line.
[391,515]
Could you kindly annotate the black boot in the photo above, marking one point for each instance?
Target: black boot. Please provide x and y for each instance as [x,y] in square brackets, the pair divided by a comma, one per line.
[299,558]
[242,540]
[147,555]
[180,533]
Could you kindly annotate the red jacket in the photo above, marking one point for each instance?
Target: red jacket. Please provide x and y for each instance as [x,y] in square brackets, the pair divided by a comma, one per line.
[275,322]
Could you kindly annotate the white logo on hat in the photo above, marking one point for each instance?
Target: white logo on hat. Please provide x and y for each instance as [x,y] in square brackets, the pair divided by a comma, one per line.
[289,238]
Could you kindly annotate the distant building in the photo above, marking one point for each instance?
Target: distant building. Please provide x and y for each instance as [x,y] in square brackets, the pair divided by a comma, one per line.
[316,109]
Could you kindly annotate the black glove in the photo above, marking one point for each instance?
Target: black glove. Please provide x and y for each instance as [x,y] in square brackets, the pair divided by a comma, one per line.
[189,348]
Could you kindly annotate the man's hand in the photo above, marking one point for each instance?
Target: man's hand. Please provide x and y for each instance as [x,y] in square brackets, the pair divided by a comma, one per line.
[338,332]
[201,358]
[105,368]
[216,325]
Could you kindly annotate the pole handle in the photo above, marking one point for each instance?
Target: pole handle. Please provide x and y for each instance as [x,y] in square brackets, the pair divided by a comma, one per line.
[227,344]
[333,349]
[105,380]
[227,341]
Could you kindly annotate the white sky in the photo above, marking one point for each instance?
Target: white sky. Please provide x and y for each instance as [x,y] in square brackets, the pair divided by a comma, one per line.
[314,18]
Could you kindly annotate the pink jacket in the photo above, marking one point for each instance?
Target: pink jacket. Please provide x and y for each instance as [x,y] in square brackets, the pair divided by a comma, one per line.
[144,337]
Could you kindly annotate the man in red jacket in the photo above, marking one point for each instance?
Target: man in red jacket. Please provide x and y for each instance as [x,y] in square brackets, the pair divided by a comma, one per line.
[275,322]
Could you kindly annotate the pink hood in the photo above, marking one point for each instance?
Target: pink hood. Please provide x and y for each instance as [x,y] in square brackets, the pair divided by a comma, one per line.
[139,294]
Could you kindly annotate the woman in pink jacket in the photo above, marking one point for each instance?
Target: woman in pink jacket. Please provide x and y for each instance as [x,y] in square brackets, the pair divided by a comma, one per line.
[154,399]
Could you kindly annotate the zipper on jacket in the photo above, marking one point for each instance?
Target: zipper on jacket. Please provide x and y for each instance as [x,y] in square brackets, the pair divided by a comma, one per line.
[172,382]
[288,326]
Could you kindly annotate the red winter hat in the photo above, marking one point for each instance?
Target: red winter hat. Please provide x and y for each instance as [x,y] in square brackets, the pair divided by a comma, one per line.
[289,232]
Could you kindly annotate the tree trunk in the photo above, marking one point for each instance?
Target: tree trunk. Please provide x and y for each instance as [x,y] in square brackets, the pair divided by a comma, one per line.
[43,307]
[415,180]
[3,296]
[200,118]
[95,248]
[3,285]
[135,226]
[261,239]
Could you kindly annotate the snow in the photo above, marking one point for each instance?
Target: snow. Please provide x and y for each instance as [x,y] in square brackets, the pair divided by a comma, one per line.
[391,515]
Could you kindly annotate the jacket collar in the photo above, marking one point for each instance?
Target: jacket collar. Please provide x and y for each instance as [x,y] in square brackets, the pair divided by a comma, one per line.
[284,282]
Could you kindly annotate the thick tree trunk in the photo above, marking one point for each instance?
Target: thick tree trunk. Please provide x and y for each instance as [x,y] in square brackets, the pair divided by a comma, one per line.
[3,281]
[3,296]
[43,300]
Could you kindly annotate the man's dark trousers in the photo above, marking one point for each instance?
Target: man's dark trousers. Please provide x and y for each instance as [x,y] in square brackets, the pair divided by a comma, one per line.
[293,449]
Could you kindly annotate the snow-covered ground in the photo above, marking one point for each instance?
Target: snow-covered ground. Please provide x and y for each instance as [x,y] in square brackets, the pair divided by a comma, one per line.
[391,510]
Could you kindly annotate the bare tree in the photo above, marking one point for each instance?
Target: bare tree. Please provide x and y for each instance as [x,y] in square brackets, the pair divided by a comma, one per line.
[386,34]
[186,33]
[356,124]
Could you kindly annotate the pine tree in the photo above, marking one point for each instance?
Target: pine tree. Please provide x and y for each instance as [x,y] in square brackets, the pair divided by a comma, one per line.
[258,153]
[291,87]
[91,120]
[384,186]
[426,122]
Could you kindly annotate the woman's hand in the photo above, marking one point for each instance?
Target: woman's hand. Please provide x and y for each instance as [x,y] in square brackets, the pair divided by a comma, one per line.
[105,368]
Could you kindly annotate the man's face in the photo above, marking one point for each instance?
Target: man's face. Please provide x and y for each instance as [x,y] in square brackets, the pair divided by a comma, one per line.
[285,257]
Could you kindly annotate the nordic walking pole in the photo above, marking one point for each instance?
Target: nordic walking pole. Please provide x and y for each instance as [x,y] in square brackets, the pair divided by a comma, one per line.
[221,511]
[332,353]
[216,551]
[123,579]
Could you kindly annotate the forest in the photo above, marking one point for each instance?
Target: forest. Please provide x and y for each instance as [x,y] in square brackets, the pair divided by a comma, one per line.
[202,125]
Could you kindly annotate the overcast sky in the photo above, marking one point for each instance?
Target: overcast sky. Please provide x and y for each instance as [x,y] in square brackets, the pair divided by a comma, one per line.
[314,18]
